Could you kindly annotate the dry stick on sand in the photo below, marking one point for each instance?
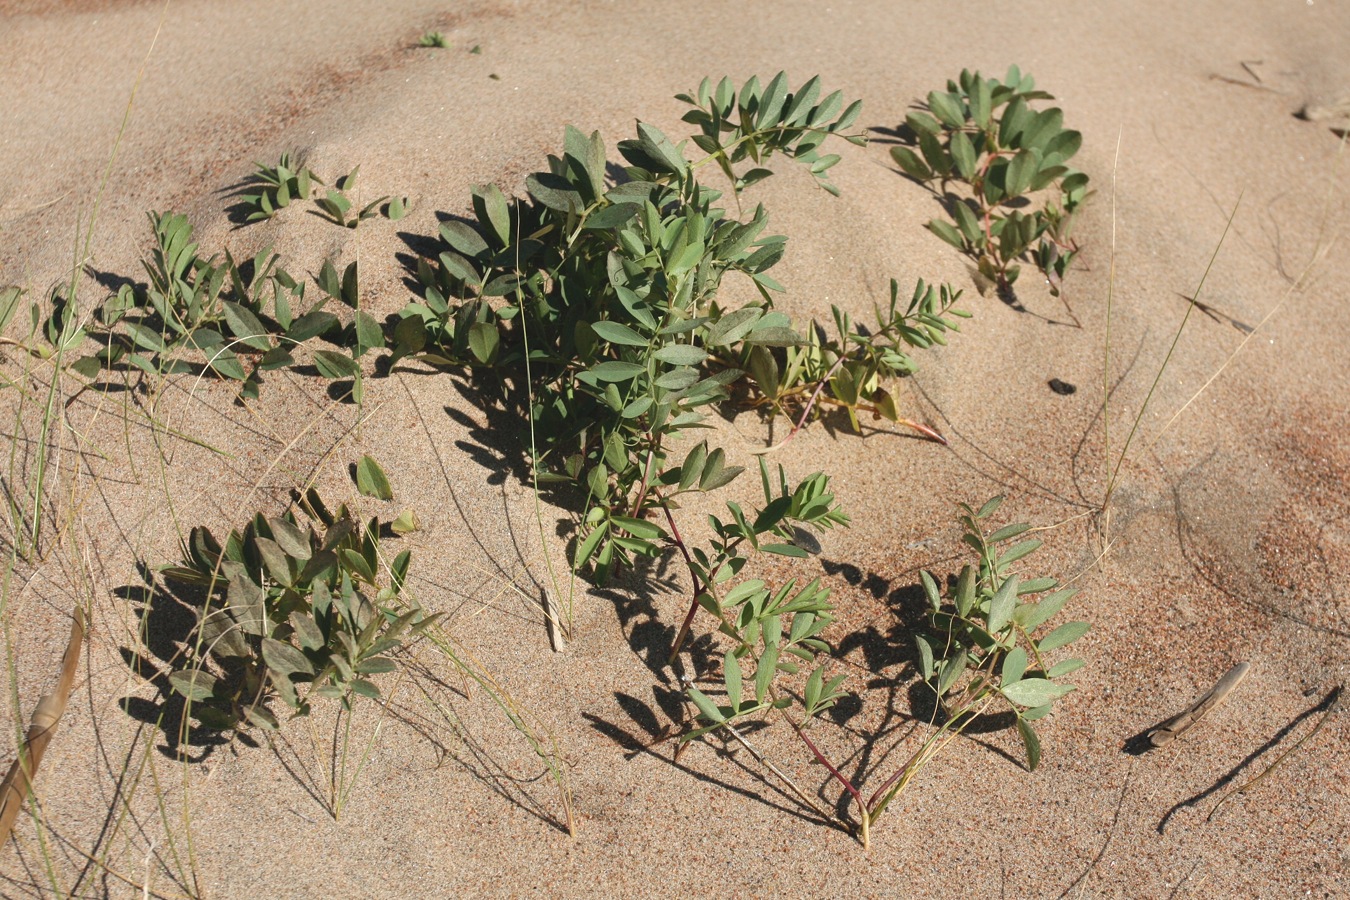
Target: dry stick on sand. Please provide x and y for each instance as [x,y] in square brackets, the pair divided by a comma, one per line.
[1329,704]
[1165,733]
[14,790]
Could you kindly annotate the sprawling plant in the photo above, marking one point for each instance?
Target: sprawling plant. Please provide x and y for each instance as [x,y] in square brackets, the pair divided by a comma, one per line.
[291,612]
[603,298]
[234,320]
[980,652]
[983,133]
[599,301]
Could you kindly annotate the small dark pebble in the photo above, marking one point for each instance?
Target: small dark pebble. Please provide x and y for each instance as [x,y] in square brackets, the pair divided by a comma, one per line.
[1063,388]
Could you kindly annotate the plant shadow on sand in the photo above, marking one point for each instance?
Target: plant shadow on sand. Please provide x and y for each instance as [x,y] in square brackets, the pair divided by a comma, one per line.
[168,619]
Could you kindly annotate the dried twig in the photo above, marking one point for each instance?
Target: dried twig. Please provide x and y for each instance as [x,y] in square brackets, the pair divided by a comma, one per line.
[1165,733]
[1330,706]
[552,618]
[19,781]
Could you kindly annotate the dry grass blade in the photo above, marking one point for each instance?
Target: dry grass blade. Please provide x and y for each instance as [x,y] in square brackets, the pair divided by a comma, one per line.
[1328,705]
[41,728]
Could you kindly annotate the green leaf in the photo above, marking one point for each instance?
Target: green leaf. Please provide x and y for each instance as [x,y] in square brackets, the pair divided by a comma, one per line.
[588,546]
[244,325]
[731,672]
[371,480]
[765,670]
[1063,636]
[615,370]
[1065,667]
[555,192]
[142,336]
[1001,605]
[489,204]
[356,563]
[990,507]
[369,335]
[945,231]
[1034,692]
[245,602]
[1008,531]
[639,528]
[334,365]
[375,665]
[925,657]
[311,324]
[618,333]
[969,224]
[364,688]
[681,355]
[911,164]
[284,658]
[484,340]
[193,684]
[292,539]
[693,466]
[615,215]
[1021,170]
[1014,666]
[733,326]
[306,631]
[963,154]
[406,523]
[1031,741]
[708,710]
[1033,615]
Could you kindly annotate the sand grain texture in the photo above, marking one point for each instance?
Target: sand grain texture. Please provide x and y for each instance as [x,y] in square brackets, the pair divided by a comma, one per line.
[1231,531]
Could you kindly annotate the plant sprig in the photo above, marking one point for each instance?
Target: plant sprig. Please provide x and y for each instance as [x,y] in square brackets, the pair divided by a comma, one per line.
[290,608]
[984,133]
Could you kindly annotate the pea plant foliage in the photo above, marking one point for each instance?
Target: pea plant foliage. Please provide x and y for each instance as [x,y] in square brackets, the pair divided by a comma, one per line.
[593,304]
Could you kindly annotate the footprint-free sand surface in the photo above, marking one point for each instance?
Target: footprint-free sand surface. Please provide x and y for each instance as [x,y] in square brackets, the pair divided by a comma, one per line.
[1226,540]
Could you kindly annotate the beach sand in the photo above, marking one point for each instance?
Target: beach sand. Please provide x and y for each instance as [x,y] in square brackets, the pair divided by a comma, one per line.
[1227,538]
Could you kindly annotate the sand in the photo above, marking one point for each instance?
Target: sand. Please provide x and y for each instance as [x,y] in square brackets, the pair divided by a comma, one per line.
[1229,531]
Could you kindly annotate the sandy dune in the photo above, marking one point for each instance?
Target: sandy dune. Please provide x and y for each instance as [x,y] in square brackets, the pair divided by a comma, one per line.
[1230,530]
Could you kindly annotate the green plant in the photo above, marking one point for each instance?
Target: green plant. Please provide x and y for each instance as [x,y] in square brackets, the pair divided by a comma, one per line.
[235,320]
[432,39]
[983,133]
[981,648]
[290,609]
[335,205]
[277,186]
[603,301]
[980,651]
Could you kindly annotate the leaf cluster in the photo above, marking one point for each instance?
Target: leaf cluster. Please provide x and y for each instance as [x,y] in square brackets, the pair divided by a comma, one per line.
[293,611]
[756,122]
[778,630]
[233,319]
[984,133]
[983,645]
[852,364]
[602,295]
[275,187]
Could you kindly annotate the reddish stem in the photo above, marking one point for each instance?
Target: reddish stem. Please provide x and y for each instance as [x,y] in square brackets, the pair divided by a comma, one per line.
[923,430]
[820,758]
[683,633]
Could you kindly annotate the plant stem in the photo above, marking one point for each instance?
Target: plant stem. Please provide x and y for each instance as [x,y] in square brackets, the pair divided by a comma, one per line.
[838,776]
[683,633]
[768,764]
